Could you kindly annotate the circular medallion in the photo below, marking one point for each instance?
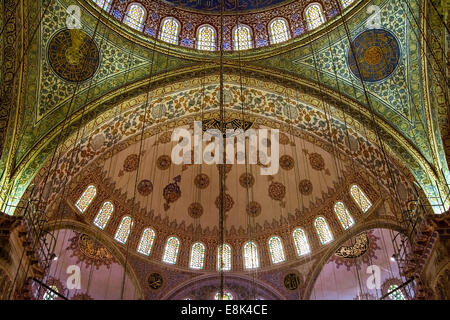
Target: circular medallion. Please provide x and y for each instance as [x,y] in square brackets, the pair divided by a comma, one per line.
[163,162]
[172,192]
[165,137]
[201,181]
[286,162]
[283,138]
[131,163]
[277,191]
[195,210]
[145,187]
[253,209]
[291,281]
[155,281]
[305,186]
[316,161]
[73,55]
[246,180]
[377,54]
[228,202]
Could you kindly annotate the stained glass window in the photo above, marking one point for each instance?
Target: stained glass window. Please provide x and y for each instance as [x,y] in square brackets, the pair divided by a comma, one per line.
[197,256]
[104,4]
[323,231]
[226,296]
[171,250]
[346,3]
[360,198]
[86,198]
[50,295]
[301,242]
[103,215]
[278,30]
[169,30]
[224,257]
[251,260]
[314,16]
[343,215]
[146,242]
[123,231]
[135,16]
[206,38]
[242,37]
[397,295]
[276,250]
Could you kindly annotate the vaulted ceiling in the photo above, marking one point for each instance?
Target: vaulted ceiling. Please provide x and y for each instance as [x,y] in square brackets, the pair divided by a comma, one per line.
[316,64]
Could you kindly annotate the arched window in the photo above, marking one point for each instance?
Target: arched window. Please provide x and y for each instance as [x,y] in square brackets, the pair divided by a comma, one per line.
[224,257]
[103,215]
[323,231]
[242,37]
[360,198]
[314,16]
[226,296]
[86,198]
[278,31]
[346,3]
[171,250]
[50,295]
[301,242]
[170,28]
[123,231]
[251,260]
[197,256]
[276,250]
[206,38]
[104,4]
[146,242]
[397,295]
[135,16]
[343,215]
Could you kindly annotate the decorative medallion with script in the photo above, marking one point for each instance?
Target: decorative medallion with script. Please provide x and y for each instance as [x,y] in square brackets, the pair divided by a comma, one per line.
[73,55]
[363,246]
[155,281]
[89,251]
[291,281]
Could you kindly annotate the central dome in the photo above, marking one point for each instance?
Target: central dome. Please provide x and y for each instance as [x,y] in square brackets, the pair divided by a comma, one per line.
[214,6]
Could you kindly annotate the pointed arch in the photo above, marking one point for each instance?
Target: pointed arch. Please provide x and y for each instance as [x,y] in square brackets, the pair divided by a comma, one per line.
[169,31]
[343,215]
[206,38]
[124,229]
[224,257]
[242,37]
[197,260]
[323,231]
[105,212]
[171,250]
[251,259]
[135,16]
[360,198]
[301,242]
[276,250]
[86,198]
[314,15]
[104,4]
[279,31]
[146,242]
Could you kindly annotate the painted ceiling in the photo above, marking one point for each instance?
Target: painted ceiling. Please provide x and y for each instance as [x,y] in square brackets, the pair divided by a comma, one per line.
[129,64]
